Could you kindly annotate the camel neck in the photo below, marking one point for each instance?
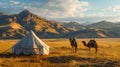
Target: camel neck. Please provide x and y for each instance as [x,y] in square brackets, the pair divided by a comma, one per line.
[84,43]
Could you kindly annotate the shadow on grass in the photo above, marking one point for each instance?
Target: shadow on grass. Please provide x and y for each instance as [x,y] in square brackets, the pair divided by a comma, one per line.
[79,61]
[9,55]
[83,61]
[65,59]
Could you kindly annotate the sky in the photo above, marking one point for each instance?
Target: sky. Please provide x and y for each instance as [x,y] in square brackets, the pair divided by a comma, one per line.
[82,11]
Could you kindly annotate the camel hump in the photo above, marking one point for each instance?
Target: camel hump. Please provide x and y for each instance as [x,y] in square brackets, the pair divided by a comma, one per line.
[92,41]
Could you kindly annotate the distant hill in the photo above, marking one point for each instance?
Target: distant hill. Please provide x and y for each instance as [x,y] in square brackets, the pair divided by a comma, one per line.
[115,31]
[94,33]
[1,13]
[103,24]
[74,25]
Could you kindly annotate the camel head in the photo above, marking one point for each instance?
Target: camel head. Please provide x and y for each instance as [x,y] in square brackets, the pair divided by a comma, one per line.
[84,43]
[70,39]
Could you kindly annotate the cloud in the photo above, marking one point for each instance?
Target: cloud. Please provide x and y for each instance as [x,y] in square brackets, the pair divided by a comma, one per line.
[115,19]
[4,7]
[50,8]
[1,3]
[25,7]
[115,8]
[60,8]
[98,14]
[14,2]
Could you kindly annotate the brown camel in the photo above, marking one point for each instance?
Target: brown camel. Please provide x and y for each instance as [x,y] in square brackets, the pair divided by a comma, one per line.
[73,44]
[91,44]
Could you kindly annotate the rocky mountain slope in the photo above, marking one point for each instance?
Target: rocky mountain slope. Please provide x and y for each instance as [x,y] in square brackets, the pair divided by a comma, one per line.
[17,26]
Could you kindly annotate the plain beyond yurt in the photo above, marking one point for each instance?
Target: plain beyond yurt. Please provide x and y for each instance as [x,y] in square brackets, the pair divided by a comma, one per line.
[30,44]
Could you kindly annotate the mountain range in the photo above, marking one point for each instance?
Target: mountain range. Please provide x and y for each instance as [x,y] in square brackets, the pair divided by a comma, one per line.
[104,29]
[74,25]
[18,25]
[103,24]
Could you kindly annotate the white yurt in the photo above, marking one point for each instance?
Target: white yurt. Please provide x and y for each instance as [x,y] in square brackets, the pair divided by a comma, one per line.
[30,44]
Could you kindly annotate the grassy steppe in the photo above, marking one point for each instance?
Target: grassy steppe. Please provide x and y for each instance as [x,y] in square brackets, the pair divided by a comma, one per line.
[61,55]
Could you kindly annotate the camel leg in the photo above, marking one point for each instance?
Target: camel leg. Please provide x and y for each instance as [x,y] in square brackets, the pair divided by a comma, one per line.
[89,50]
[75,49]
[96,50]
[72,50]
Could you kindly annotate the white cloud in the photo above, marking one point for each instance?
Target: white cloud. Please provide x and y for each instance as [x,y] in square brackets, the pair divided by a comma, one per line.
[102,14]
[60,8]
[4,7]
[115,8]
[25,7]
[91,15]
[98,14]
[14,2]
[51,8]
[115,19]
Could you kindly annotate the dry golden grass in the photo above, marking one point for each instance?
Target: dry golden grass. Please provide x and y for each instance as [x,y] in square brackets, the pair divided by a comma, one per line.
[61,55]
